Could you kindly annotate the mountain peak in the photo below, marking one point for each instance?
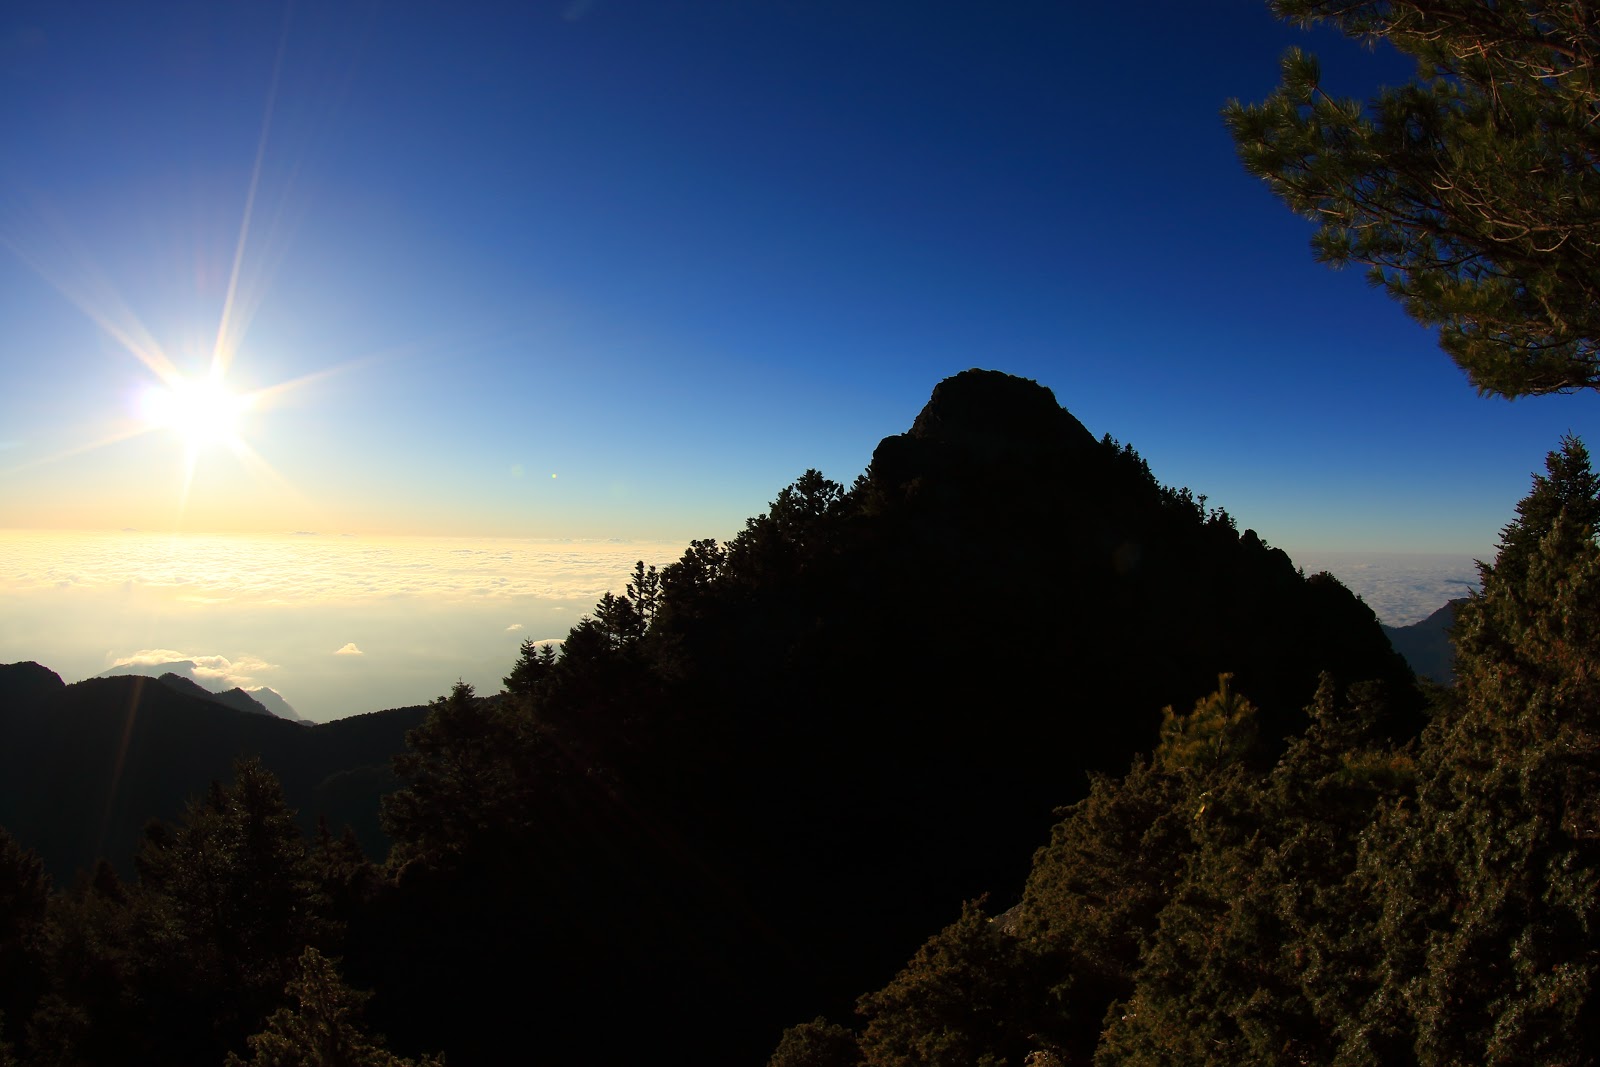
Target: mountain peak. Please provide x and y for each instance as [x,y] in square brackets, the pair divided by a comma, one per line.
[989,410]
[25,683]
[982,421]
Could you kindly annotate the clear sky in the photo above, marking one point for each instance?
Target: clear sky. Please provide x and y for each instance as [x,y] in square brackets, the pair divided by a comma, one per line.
[624,268]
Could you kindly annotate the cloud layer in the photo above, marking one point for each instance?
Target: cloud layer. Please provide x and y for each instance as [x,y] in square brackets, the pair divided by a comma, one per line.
[313,569]
[1400,587]
[246,611]
[240,671]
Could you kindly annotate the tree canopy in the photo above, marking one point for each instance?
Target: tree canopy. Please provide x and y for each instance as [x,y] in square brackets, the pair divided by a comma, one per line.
[324,1030]
[1366,900]
[1471,193]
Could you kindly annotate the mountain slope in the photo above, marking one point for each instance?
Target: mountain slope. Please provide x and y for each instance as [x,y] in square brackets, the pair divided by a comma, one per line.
[83,767]
[183,674]
[813,742]
[1426,645]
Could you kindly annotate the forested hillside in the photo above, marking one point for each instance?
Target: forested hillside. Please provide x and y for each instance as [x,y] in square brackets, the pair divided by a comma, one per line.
[1354,901]
[84,766]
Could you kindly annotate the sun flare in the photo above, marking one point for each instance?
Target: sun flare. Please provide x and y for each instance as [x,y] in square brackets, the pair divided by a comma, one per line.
[201,412]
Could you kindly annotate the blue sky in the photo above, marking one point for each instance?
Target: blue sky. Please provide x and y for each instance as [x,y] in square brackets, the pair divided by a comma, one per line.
[625,268]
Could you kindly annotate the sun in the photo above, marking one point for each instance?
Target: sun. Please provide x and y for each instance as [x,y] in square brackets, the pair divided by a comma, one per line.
[202,412]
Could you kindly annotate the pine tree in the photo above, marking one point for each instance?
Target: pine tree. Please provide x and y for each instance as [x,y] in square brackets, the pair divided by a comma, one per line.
[1214,802]
[92,1012]
[226,902]
[535,665]
[1471,193]
[818,1043]
[1263,953]
[971,997]
[1500,861]
[322,1029]
[464,787]
[1096,890]
[1222,729]
[24,900]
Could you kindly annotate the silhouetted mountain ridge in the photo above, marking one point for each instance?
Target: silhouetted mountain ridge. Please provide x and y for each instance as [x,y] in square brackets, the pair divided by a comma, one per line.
[84,766]
[235,698]
[185,675]
[855,714]
[23,684]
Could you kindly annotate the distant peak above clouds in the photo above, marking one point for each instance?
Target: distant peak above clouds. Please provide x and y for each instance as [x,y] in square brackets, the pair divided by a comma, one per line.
[214,672]
[201,676]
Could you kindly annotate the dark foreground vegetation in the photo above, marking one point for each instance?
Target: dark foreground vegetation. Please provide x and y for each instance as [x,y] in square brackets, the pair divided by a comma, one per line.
[1353,901]
[744,791]
[741,792]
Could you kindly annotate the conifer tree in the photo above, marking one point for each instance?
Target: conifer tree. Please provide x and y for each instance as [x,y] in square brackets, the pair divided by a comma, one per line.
[1202,752]
[226,902]
[535,665]
[1096,890]
[818,1043]
[24,898]
[91,1013]
[346,879]
[1500,861]
[1222,729]
[1470,193]
[463,782]
[969,998]
[645,590]
[322,1029]
[1261,955]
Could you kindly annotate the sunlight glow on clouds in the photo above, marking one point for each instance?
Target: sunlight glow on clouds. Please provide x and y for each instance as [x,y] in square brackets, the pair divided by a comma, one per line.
[310,569]
[344,625]
[239,671]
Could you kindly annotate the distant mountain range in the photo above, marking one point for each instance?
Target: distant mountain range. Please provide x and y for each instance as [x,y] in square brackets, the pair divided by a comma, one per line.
[183,675]
[1426,644]
[83,767]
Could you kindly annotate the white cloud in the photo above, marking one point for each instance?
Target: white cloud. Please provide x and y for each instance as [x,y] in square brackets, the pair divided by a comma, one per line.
[237,671]
[149,657]
[513,628]
[293,570]
[1400,587]
[293,601]
[349,650]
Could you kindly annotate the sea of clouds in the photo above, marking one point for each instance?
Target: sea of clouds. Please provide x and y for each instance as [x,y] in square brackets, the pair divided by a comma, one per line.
[1400,587]
[337,625]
